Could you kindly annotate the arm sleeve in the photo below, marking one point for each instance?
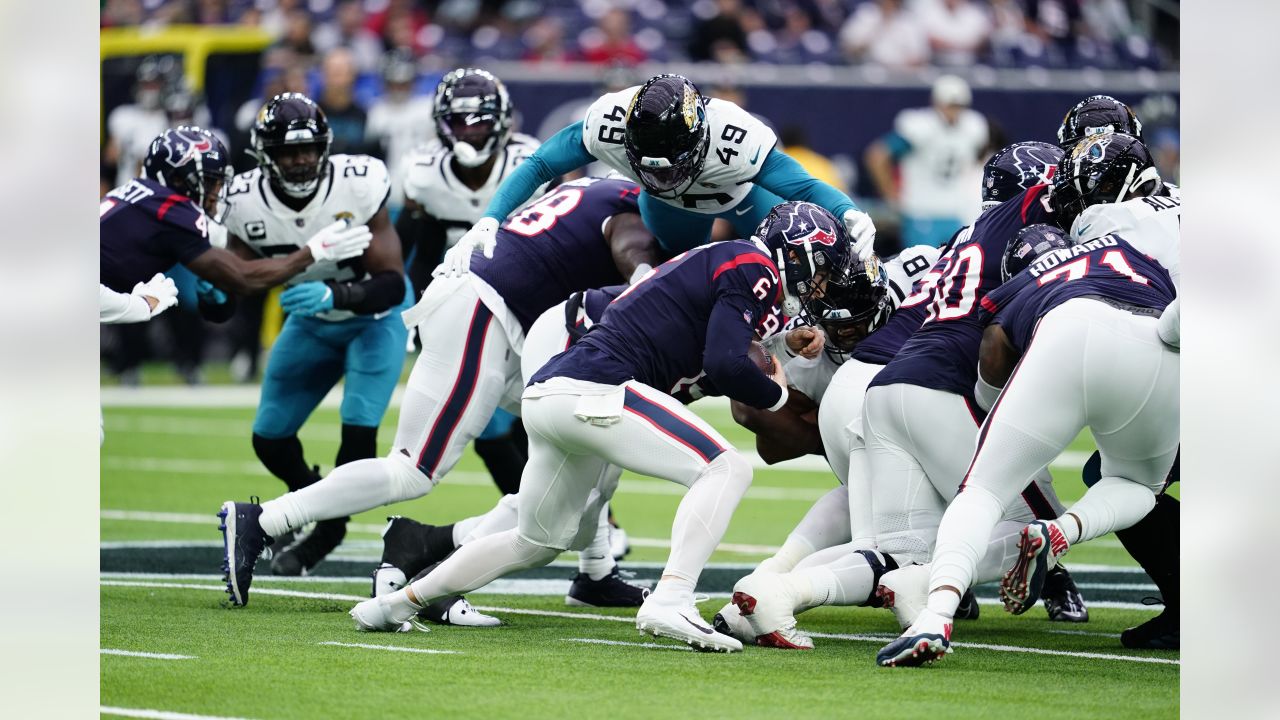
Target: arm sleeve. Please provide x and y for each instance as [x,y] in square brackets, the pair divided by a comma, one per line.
[114,307]
[562,153]
[383,291]
[898,145]
[725,356]
[786,178]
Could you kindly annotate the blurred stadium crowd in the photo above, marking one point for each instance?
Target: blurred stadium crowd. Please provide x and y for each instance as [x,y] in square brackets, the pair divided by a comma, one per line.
[372,66]
[892,33]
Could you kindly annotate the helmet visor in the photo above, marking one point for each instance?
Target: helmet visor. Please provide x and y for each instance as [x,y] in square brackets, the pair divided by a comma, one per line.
[475,129]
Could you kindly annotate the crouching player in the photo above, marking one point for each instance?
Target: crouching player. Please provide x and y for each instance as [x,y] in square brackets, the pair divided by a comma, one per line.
[599,403]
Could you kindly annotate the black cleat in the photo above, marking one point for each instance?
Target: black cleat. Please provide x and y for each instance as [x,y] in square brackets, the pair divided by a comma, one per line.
[609,591]
[1062,599]
[968,609]
[413,546]
[306,551]
[1161,632]
[242,542]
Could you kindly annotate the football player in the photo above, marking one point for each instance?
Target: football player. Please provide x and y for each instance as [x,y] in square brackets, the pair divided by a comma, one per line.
[448,183]
[697,159]
[1079,324]
[1151,224]
[851,574]
[587,233]
[605,401]
[343,317]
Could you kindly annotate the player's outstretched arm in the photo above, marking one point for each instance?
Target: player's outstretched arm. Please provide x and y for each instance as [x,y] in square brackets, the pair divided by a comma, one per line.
[563,152]
[786,178]
[631,243]
[238,270]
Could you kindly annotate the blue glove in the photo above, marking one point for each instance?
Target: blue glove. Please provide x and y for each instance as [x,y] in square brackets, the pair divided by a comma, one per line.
[208,294]
[308,298]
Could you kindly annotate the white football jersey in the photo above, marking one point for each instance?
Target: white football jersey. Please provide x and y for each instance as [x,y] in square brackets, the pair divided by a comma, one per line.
[812,376]
[400,127]
[429,180]
[739,145]
[938,171]
[354,189]
[1152,225]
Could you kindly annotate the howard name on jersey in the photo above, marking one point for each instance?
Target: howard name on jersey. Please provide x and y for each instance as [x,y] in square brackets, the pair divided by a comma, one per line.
[1150,224]
[429,180]
[354,189]
[1107,269]
[739,145]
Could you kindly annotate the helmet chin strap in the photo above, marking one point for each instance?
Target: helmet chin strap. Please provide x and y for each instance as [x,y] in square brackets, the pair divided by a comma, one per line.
[467,155]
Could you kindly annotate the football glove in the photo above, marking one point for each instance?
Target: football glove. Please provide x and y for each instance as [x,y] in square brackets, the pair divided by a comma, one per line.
[457,261]
[207,293]
[862,230]
[339,242]
[308,298]
[159,288]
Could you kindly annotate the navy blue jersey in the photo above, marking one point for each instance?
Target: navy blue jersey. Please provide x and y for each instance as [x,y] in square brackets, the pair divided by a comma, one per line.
[555,247]
[692,317]
[145,228]
[943,352]
[1106,268]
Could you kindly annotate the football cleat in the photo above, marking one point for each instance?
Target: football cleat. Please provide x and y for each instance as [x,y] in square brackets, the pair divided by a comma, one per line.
[767,601]
[905,591]
[378,615]
[387,579]
[1062,599]
[242,542]
[968,608]
[609,591]
[455,610]
[1161,632]
[928,639]
[405,544]
[306,551]
[681,621]
[729,621]
[1039,547]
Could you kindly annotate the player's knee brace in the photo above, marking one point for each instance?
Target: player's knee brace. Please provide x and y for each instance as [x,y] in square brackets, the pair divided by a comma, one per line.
[406,480]
[358,442]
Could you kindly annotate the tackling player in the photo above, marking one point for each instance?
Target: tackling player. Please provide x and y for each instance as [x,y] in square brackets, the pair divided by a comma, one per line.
[585,234]
[698,159]
[448,183]
[602,403]
[343,318]
[1079,324]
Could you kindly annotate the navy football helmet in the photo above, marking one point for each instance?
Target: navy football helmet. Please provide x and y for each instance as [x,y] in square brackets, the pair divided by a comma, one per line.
[1094,115]
[473,115]
[1106,168]
[809,246]
[666,137]
[1028,244]
[191,161]
[854,304]
[292,123]
[1015,168]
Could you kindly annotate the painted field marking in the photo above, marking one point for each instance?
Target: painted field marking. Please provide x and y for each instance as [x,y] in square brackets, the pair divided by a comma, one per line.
[657,646]
[157,714]
[149,655]
[392,648]
[615,618]
[1085,632]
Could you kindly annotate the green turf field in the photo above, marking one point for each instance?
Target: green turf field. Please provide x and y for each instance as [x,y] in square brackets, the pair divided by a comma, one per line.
[292,653]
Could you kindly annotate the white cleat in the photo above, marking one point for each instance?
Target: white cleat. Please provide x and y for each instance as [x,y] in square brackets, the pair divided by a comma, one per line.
[767,602]
[388,579]
[905,591]
[729,621]
[378,615]
[462,613]
[681,621]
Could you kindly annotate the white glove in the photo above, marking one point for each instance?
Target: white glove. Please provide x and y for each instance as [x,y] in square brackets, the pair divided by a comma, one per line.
[457,261]
[862,230]
[339,242]
[160,288]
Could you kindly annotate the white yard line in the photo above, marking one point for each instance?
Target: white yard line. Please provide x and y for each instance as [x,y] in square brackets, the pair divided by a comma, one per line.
[149,655]
[391,648]
[627,619]
[157,714]
[656,646]
[1085,632]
